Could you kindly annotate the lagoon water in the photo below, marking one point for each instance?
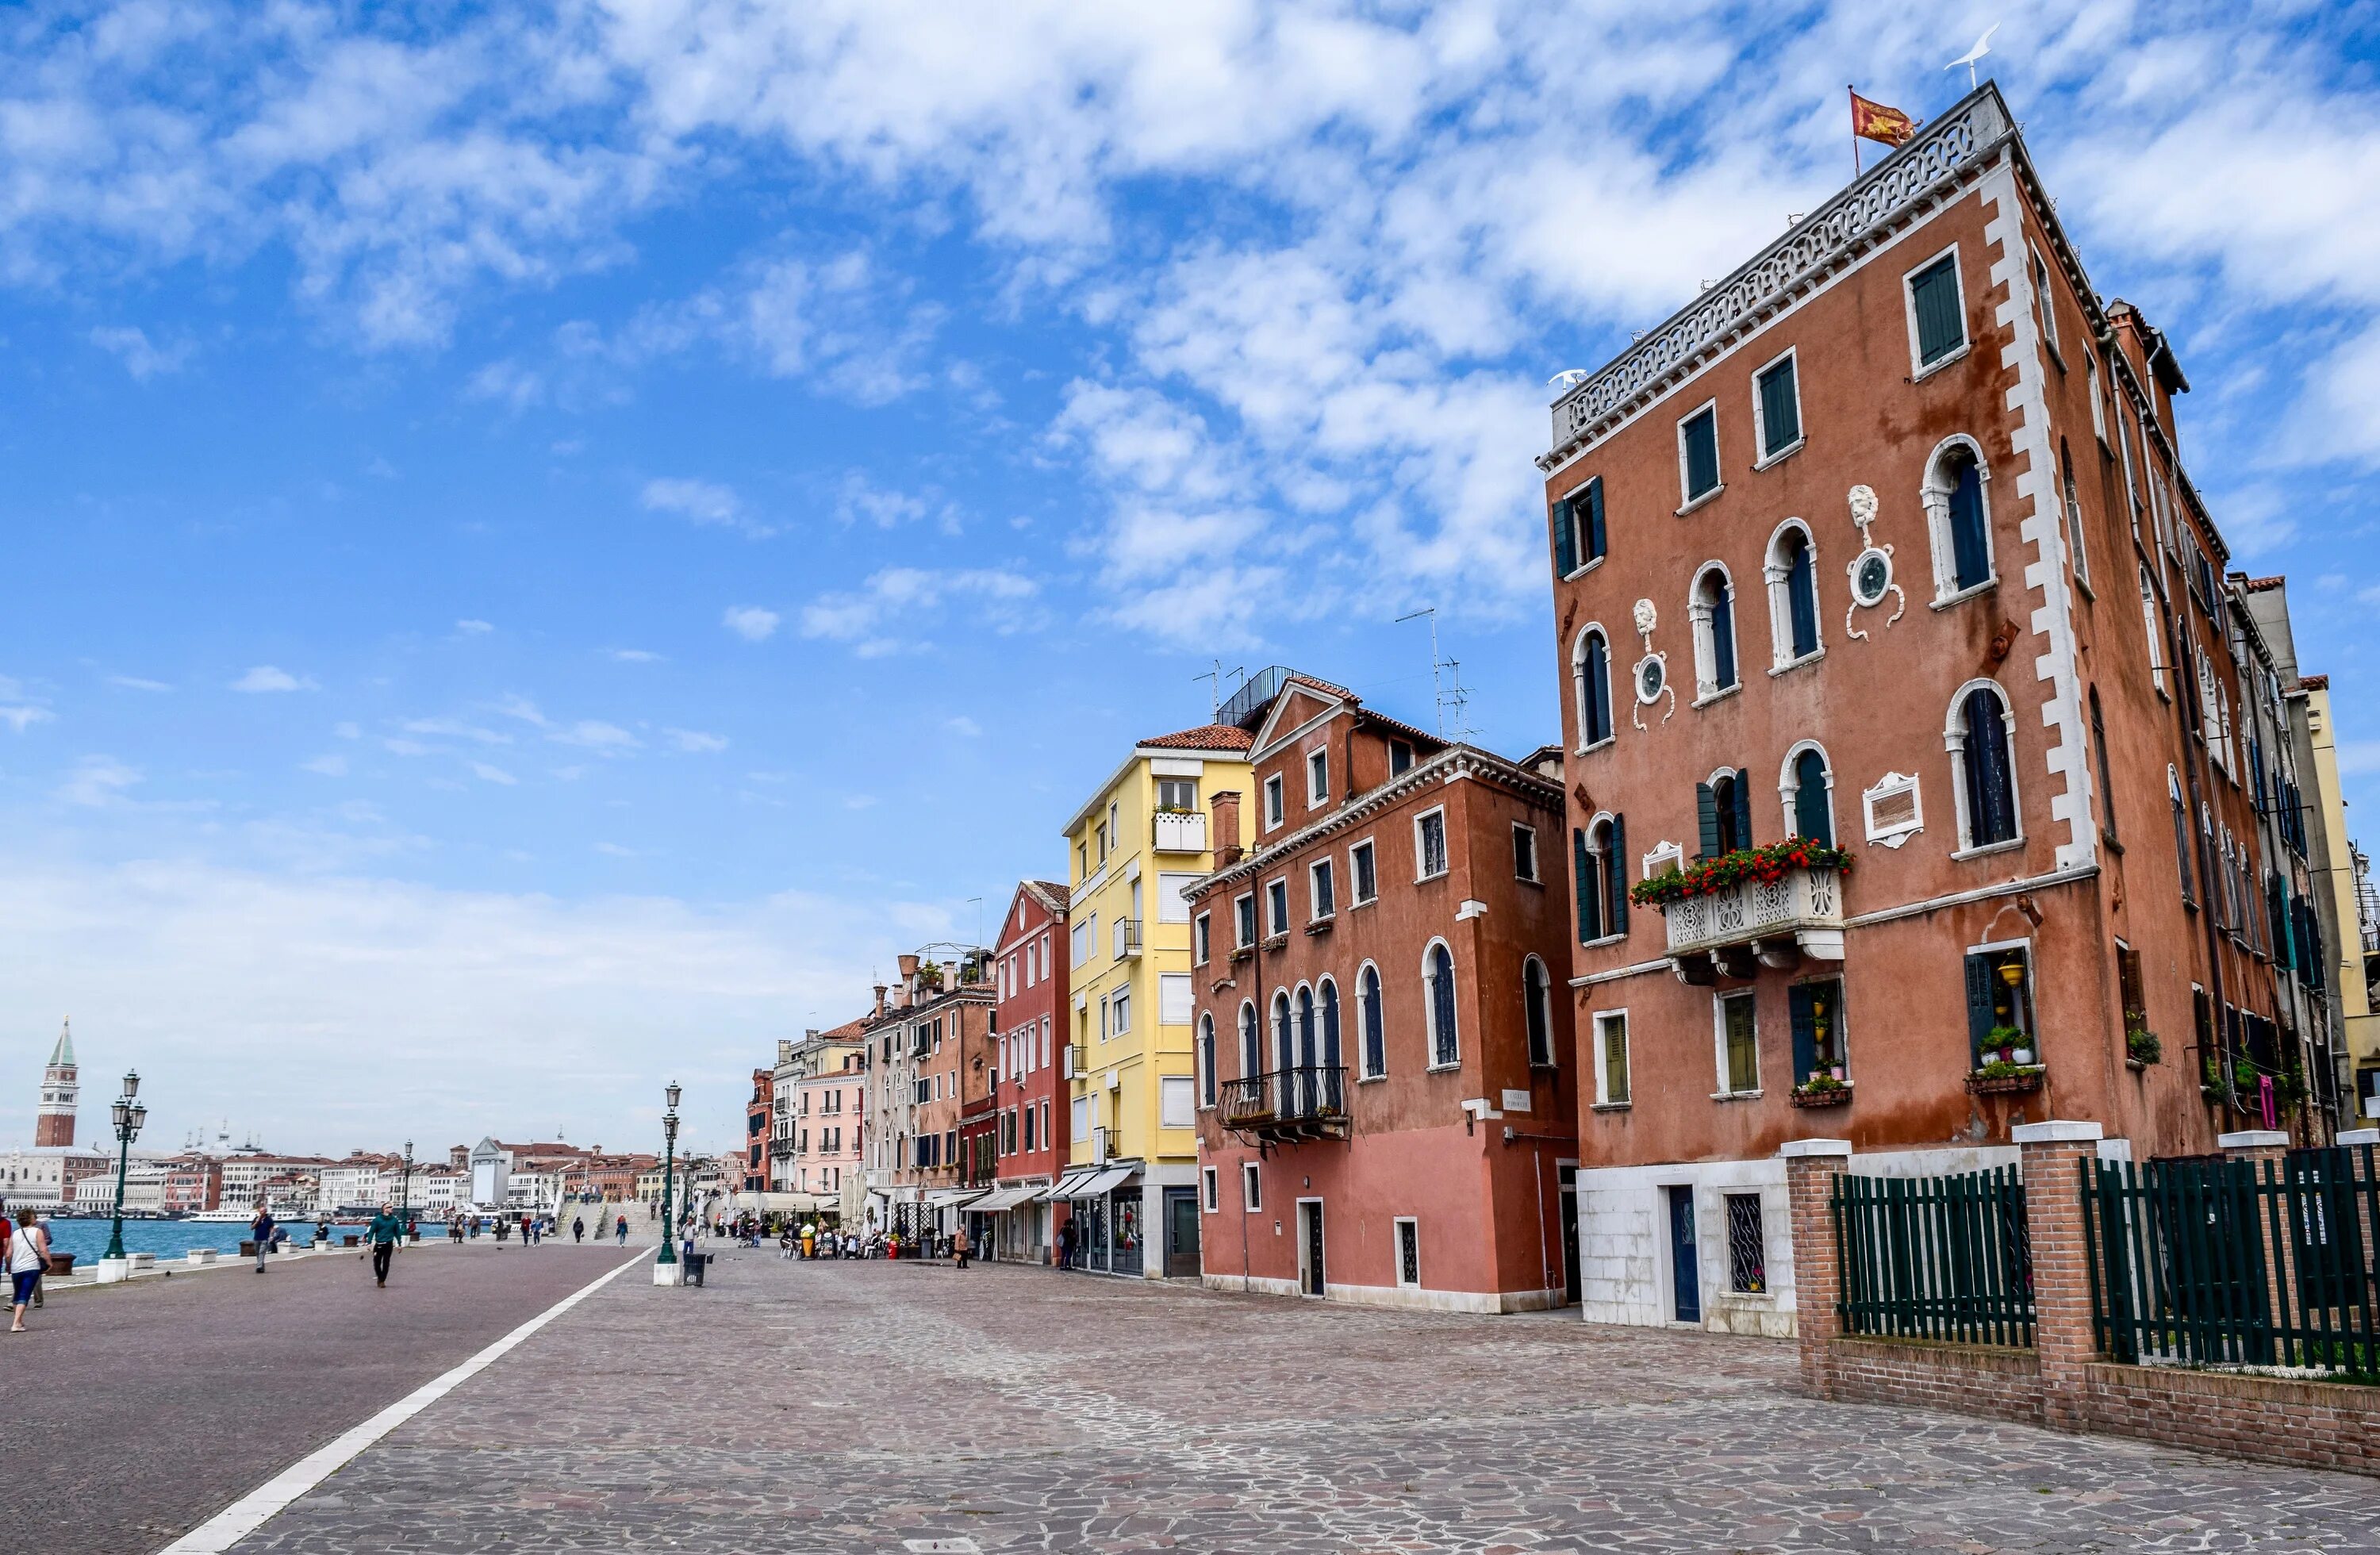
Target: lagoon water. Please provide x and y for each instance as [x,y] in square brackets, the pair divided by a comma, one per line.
[86,1239]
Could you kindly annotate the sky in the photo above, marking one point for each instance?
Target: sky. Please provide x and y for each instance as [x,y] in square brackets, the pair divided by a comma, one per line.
[548,542]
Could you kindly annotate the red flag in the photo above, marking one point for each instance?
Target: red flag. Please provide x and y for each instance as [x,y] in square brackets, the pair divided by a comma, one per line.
[1874,121]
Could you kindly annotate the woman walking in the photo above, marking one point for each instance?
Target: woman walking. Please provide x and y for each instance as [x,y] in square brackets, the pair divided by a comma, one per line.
[620,1230]
[28,1256]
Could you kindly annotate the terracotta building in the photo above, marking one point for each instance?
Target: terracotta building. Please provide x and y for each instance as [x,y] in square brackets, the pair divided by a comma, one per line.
[1908,451]
[758,1110]
[929,1054]
[1017,1219]
[821,1098]
[1387,1103]
[54,1118]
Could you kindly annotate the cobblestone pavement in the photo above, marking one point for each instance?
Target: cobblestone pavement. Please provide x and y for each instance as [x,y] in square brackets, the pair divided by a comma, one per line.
[876,1406]
[129,1414]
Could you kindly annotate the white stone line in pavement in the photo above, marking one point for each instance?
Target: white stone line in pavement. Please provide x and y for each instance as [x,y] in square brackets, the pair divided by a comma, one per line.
[253,1511]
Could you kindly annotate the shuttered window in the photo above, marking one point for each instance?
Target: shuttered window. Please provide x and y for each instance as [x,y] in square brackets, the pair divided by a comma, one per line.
[1578,528]
[1780,409]
[1588,882]
[1698,452]
[1801,596]
[1740,1028]
[1941,319]
[1444,1046]
[1817,1018]
[1375,1045]
[1971,541]
[1990,780]
[1615,875]
[1812,816]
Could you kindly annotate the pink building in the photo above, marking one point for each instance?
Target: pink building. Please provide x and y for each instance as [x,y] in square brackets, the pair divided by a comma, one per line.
[1029,972]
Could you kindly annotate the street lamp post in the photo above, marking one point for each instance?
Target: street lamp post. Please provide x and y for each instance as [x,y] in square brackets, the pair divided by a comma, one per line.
[405,1188]
[128,1116]
[669,1170]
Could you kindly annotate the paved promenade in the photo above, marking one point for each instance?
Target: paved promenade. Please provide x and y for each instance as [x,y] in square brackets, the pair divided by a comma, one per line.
[885,1407]
[132,1413]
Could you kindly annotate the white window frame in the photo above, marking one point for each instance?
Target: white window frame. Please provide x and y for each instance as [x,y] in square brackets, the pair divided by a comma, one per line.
[1705,634]
[1779,575]
[1533,966]
[1578,687]
[1954,741]
[1934,498]
[1603,1102]
[1433,1063]
[1251,1189]
[1401,1227]
[1687,501]
[1421,852]
[1210,1190]
[1173,1089]
[1918,370]
[1276,805]
[1119,1009]
[1184,1001]
[1202,939]
[1356,897]
[1789,789]
[1577,540]
[1536,875]
[2045,305]
[1315,872]
[1317,777]
[2099,408]
[1719,1045]
[1277,906]
[1248,921]
[1364,1070]
[1760,414]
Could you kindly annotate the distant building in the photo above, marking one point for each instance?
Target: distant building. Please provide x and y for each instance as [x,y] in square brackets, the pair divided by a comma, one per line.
[53,1122]
[1029,971]
[44,1176]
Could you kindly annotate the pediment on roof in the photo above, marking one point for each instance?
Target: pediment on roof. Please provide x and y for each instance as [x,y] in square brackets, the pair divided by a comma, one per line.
[1301,702]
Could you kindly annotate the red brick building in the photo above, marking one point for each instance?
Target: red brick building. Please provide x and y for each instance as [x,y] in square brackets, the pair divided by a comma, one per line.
[1906,451]
[930,1058]
[757,1108]
[1386,1099]
[1029,975]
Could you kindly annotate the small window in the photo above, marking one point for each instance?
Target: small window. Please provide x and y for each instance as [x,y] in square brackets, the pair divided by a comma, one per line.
[1210,1188]
[1979,748]
[1777,399]
[1370,1017]
[1537,1012]
[1366,871]
[1244,914]
[1321,891]
[1712,611]
[1251,1187]
[1408,1255]
[1401,757]
[1739,1039]
[1818,1036]
[1939,317]
[1792,574]
[1122,1011]
[1591,672]
[1960,520]
[1438,976]
[1276,908]
[1317,777]
[1176,1103]
[1612,1060]
[1698,453]
[1813,812]
[1524,853]
[1747,1246]
[1274,811]
[2047,302]
[2098,408]
[1177,795]
[2106,782]
[2075,539]
[1429,845]
[1578,528]
[1201,940]
[1999,1005]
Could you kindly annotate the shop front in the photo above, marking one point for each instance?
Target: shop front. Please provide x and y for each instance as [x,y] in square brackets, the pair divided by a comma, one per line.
[1006,1223]
[1104,1203]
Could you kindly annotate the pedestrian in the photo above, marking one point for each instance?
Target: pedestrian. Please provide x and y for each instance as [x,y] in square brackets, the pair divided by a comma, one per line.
[504,1229]
[261,1228]
[382,1232]
[1066,1245]
[620,1230]
[578,1228]
[29,1257]
[959,1247]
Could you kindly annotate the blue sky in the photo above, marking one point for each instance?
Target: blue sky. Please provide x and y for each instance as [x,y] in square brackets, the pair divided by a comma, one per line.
[551,542]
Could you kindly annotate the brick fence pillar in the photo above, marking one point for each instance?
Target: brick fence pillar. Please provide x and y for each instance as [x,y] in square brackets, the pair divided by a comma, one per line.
[2051,1157]
[1811,1168]
[2264,1150]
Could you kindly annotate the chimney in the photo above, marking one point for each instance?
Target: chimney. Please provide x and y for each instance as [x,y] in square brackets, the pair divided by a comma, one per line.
[1227,828]
[785,1051]
[908,967]
[879,1001]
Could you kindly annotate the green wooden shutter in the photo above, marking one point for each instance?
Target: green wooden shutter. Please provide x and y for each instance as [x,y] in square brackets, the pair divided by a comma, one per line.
[1707,817]
[1942,325]
[1617,862]
[1979,1004]
[1565,537]
[1780,418]
[1742,808]
[1799,999]
[1594,518]
[1581,874]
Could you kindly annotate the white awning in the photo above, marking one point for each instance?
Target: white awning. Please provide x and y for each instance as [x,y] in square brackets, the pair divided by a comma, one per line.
[1101,1184]
[1004,1198]
[953,1196]
[1064,1186]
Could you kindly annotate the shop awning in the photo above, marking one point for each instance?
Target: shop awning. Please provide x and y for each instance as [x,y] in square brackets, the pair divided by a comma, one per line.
[1064,1187]
[1004,1199]
[953,1196]
[1101,1184]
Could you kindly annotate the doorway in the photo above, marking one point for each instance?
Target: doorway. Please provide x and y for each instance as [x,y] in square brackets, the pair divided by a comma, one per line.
[1569,1201]
[1686,1272]
[1309,1246]
[1182,1234]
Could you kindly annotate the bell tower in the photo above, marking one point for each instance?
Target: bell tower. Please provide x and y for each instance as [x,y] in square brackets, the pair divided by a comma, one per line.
[53,1122]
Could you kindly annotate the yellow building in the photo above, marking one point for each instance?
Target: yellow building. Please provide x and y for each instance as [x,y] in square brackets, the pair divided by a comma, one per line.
[2361,1034]
[1132,1188]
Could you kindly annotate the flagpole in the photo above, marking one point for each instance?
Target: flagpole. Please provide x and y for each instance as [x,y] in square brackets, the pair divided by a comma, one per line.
[1852,93]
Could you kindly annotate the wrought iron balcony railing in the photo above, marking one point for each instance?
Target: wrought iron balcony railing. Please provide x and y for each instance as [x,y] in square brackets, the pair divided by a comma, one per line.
[1295,1103]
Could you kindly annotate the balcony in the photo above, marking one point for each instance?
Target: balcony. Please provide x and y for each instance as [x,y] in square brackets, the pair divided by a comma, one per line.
[1127,938]
[1309,1103]
[1756,923]
[1183,831]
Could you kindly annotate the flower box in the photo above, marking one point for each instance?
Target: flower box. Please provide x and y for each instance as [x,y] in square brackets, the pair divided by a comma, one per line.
[2006,1079]
[1823,1095]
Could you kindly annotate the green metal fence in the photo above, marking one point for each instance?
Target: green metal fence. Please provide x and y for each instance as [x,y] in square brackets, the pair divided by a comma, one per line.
[2209,1262]
[1936,1258]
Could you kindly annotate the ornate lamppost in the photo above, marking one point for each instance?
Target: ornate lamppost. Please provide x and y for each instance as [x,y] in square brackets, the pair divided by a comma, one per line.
[405,1189]
[128,1116]
[669,1170]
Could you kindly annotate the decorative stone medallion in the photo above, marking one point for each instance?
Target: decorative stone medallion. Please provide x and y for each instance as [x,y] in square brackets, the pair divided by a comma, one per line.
[1871,570]
[1652,672]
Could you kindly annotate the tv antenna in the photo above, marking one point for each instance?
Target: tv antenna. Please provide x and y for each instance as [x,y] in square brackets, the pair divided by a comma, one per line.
[1445,680]
[1214,679]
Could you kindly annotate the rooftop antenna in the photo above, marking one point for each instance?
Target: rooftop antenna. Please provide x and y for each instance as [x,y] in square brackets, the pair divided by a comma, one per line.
[1214,679]
[1983,46]
[1445,679]
[978,919]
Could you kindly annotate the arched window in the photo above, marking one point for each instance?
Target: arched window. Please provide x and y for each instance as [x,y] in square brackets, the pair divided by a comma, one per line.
[1376,1036]
[1306,1055]
[1437,977]
[1284,1036]
[1723,813]
[1793,575]
[1591,668]
[2074,535]
[2150,621]
[1979,739]
[1329,1000]
[1537,1012]
[1712,608]
[1251,1042]
[1207,1060]
[1809,794]
[1957,517]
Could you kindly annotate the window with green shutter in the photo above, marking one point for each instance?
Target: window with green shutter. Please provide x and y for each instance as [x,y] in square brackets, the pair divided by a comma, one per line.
[1698,450]
[1565,538]
[1941,318]
[1590,522]
[1780,409]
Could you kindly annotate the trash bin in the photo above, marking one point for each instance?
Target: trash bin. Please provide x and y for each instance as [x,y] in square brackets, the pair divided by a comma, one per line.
[696,1263]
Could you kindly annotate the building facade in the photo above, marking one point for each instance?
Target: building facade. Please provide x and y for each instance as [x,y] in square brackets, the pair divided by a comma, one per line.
[760,1108]
[929,1052]
[822,1085]
[1908,450]
[1386,1100]
[1017,1219]
[2348,920]
[54,1120]
[1132,1137]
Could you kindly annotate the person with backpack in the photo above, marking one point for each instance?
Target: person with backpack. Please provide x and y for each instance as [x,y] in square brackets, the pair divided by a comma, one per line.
[261,1228]
[29,1258]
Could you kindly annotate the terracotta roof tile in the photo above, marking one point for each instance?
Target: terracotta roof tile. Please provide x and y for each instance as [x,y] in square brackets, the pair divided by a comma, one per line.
[2260,585]
[1206,736]
[2314,682]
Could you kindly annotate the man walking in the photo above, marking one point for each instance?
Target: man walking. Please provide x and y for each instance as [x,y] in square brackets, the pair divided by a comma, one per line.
[261,1228]
[578,1228]
[382,1232]
[620,1230]
[959,1245]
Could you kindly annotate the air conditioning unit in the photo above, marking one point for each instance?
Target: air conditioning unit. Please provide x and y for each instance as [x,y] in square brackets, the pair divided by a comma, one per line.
[1115,1080]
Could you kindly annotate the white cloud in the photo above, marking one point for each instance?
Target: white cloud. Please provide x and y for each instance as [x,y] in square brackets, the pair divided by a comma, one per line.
[471,628]
[487,773]
[327,766]
[138,682]
[996,597]
[269,677]
[632,656]
[141,358]
[98,781]
[751,623]
[18,708]
[593,733]
[694,740]
[962,724]
[454,729]
[699,501]
[615,850]
[347,731]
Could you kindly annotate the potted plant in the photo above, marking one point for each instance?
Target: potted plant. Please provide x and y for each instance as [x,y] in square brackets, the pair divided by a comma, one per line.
[2210,1076]
[2141,1047]
[2009,1044]
[1822,1088]
[1707,877]
[2000,1074]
